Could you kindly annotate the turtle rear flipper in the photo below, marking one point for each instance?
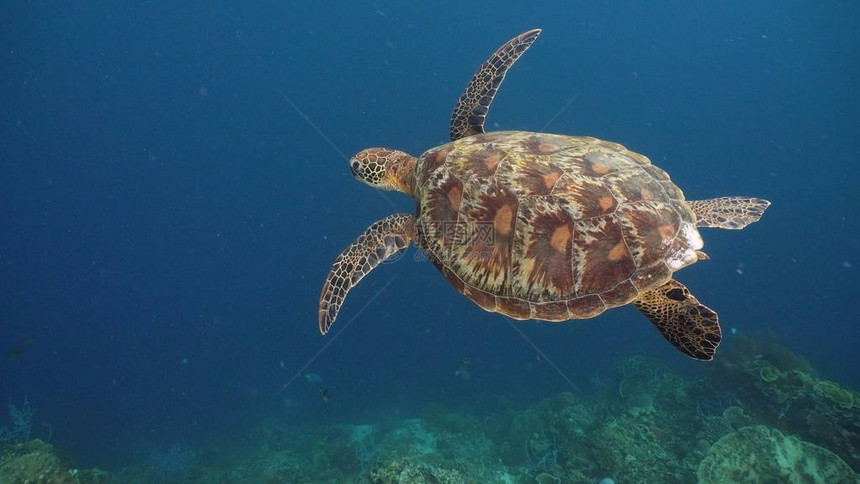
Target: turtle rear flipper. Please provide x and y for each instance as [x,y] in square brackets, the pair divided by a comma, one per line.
[380,241]
[732,213]
[688,324]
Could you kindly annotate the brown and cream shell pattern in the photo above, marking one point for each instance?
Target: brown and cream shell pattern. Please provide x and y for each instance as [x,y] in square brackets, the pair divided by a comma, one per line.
[551,227]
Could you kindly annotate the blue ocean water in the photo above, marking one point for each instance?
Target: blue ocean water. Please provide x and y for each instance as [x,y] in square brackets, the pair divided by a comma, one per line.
[174,188]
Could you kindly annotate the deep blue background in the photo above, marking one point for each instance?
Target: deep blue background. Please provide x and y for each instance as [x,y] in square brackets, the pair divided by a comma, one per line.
[167,217]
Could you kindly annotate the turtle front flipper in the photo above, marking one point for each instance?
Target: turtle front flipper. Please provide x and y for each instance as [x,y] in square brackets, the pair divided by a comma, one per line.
[732,213]
[380,241]
[688,324]
[474,104]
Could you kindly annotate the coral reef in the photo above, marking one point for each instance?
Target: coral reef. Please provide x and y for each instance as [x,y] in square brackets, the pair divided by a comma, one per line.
[783,391]
[22,423]
[760,454]
[403,471]
[835,394]
[35,462]
[760,415]
[636,430]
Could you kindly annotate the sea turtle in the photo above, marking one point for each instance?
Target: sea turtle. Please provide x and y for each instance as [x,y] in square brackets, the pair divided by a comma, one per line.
[542,226]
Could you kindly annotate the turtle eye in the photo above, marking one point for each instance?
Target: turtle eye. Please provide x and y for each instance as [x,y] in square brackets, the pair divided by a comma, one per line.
[354,165]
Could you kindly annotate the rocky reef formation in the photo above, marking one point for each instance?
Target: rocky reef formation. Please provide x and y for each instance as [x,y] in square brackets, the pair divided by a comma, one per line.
[782,390]
[759,414]
[36,462]
[760,454]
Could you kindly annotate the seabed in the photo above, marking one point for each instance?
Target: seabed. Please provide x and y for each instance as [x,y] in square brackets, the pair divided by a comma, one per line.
[761,414]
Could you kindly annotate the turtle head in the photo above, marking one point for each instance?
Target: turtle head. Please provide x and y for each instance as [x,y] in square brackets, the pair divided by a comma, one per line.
[385,169]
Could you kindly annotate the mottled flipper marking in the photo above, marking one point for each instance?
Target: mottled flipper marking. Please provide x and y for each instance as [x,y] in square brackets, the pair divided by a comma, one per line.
[688,324]
[380,241]
[728,212]
[472,108]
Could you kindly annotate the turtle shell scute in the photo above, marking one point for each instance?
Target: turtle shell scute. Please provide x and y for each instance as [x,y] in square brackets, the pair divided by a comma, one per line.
[551,227]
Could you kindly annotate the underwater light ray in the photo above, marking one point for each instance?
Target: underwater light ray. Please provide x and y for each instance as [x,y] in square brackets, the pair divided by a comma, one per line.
[563,108]
[311,123]
[326,138]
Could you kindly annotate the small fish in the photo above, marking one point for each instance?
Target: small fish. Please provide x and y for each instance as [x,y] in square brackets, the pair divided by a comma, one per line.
[317,381]
[314,379]
[464,370]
